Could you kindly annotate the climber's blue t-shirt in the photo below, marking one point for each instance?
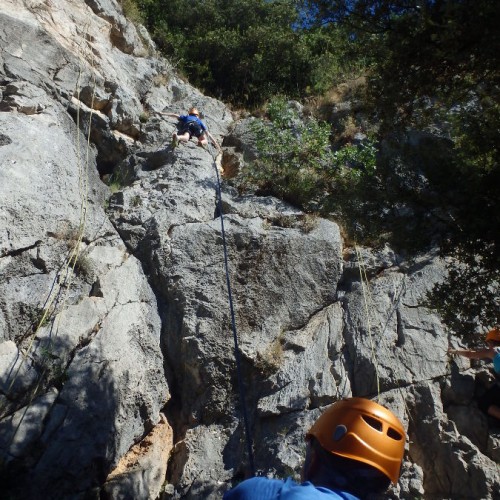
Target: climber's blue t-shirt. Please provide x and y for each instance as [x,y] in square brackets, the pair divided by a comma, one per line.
[262,488]
[192,118]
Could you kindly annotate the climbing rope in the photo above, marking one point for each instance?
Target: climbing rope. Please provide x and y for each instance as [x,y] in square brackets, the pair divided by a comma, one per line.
[365,289]
[367,297]
[237,353]
[65,275]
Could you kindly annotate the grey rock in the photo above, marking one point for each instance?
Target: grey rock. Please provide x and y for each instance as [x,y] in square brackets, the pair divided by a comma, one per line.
[72,300]
[141,472]
[111,309]
[199,458]
[391,331]
[20,432]
[242,139]
[16,373]
[308,264]
[107,9]
[494,446]
[105,389]
[470,422]
[124,37]
[474,474]
[300,380]
[24,98]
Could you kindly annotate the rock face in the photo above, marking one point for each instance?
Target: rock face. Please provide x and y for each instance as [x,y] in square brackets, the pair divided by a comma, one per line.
[117,370]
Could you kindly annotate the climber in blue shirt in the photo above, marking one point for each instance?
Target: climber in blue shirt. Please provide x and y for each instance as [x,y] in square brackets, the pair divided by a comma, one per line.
[354,449]
[190,125]
[489,403]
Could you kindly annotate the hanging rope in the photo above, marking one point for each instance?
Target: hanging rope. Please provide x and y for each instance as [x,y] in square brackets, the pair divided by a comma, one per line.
[364,287]
[237,353]
[367,297]
[65,276]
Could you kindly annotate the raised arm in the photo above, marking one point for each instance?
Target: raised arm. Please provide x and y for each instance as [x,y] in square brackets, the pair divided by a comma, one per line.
[473,353]
[212,138]
[172,115]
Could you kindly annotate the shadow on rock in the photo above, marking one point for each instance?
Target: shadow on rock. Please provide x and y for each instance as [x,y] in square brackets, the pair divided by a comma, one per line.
[152,160]
[63,438]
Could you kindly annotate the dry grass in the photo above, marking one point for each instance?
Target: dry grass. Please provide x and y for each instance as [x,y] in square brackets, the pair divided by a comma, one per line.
[309,222]
[270,360]
[161,80]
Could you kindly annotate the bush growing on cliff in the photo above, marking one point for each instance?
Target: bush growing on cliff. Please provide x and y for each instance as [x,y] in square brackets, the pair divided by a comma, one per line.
[297,163]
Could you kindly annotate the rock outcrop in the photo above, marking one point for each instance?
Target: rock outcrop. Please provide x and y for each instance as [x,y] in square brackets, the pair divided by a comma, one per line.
[117,368]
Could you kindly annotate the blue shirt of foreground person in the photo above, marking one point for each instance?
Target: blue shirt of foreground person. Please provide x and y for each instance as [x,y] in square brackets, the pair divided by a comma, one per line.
[354,449]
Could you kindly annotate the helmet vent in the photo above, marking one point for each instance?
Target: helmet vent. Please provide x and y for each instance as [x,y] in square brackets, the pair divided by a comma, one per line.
[373,422]
[340,432]
[394,434]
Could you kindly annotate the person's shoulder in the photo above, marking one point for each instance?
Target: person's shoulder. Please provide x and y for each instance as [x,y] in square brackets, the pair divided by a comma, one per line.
[255,488]
[262,488]
[496,361]
[307,490]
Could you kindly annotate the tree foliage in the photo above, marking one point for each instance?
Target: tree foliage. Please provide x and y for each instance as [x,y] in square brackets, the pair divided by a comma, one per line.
[297,163]
[435,66]
[247,51]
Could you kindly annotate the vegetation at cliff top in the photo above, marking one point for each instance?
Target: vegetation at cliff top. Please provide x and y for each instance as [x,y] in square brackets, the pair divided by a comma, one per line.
[431,103]
[247,51]
[297,163]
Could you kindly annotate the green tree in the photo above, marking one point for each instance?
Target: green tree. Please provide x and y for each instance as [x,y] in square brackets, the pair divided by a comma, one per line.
[241,51]
[247,51]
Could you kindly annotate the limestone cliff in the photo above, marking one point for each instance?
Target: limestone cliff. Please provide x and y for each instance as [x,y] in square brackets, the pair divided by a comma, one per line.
[117,369]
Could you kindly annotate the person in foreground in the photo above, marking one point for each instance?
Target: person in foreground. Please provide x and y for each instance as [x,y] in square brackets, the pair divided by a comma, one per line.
[354,449]
[190,126]
[489,403]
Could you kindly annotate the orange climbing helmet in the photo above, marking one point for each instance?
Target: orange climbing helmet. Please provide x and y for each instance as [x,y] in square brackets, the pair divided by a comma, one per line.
[362,430]
[493,334]
[193,111]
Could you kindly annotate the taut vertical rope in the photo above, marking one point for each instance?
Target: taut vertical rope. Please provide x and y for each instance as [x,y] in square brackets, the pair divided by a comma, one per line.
[237,353]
